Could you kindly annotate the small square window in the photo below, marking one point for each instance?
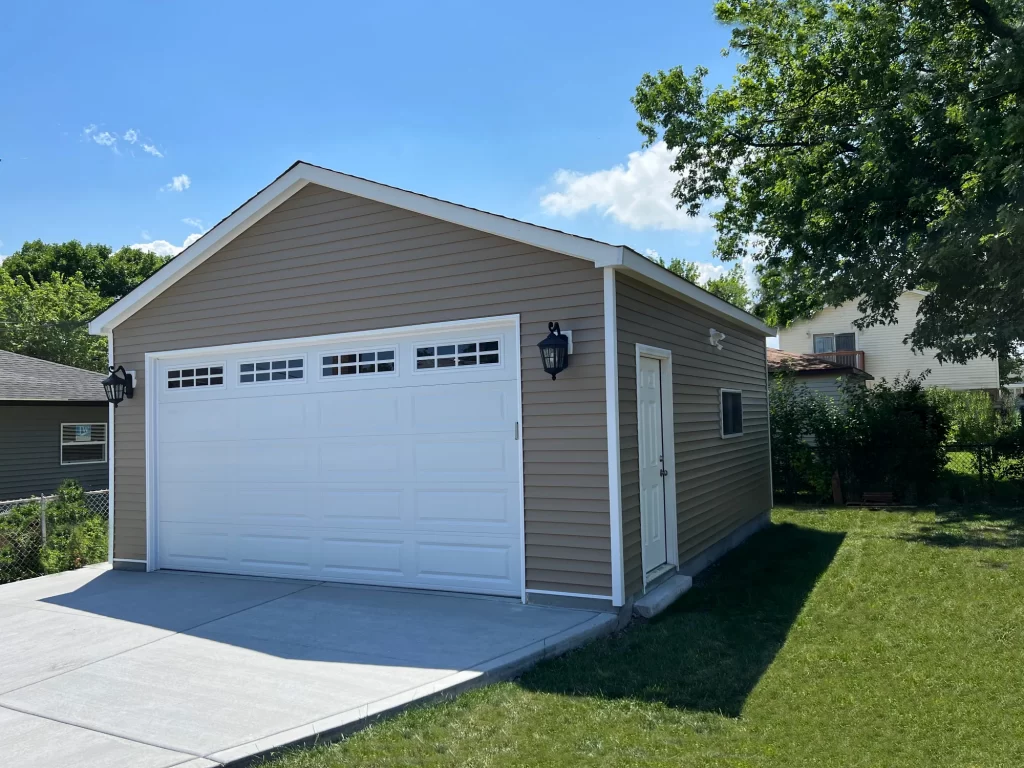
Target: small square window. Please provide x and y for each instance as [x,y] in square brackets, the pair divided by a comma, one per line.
[425,352]
[446,362]
[246,378]
[173,384]
[385,367]
[388,354]
[348,370]
[421,364]
[448,349]
[347,358]
[295,374]
[278,365]
[188,382]
[174,374]
[330,371]
[246,367]
[278,375]
[216,370]
[263,366]
[202,371]
[488,359]
[188,373]
[488,346]
[465,349]
[367,356]
[215,380]
[295,363]
[262,377]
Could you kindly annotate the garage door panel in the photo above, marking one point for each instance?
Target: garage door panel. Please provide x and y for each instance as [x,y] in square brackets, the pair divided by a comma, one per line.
[462,562]
[364,559]
[361,413]
[407,478]
[465,457]
[459,408]
[270,551]
[466,509]
[359,458]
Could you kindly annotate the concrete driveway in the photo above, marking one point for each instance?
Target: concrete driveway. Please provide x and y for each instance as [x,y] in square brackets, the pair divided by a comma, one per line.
[112,668]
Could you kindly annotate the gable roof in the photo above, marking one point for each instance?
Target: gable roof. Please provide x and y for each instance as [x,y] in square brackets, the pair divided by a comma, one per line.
[34,380]
[779,361]
[300,174]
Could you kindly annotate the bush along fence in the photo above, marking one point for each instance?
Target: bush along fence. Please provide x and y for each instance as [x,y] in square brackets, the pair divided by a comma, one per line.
[50,534]
[894,443]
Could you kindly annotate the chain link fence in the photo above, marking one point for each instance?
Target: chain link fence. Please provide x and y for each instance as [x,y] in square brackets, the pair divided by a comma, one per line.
[50,534]
[980,472]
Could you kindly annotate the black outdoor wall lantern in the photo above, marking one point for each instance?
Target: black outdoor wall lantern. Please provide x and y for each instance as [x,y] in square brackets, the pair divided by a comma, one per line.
[554,351]
[118,387]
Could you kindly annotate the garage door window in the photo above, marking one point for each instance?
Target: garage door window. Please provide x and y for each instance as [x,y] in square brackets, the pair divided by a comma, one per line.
[355,363]
[200,376]
[260,371]
[436,356]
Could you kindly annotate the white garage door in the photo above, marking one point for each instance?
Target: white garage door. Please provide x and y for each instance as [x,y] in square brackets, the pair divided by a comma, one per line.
[386,460]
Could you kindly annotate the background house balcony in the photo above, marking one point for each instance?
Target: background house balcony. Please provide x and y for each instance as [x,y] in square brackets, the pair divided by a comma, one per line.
[845,357]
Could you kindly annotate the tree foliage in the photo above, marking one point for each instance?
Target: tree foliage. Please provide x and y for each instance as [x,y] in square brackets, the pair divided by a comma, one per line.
[865,147]
[50,291]
[731,285]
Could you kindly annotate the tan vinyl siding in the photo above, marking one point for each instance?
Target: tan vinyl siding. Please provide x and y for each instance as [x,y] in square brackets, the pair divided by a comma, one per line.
[720,483]
[326,262]
[30,449]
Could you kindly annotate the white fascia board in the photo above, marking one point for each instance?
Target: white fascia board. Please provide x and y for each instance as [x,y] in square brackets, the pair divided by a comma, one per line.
[650,272]
[301,174]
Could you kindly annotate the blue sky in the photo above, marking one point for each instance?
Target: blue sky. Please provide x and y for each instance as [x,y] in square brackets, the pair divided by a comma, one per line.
[132,123]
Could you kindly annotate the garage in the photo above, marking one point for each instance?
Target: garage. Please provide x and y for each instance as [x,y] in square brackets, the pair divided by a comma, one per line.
[390,457]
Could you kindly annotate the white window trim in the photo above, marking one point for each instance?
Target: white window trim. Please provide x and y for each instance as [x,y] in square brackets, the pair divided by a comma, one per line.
[223,383]
[721,413]
[833,334]
[106,427]
[446,342]
[270,359]
[348,377]
[669,449]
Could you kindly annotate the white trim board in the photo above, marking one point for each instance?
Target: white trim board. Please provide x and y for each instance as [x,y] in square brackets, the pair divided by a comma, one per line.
[611,393]
[301,174]
[668,438]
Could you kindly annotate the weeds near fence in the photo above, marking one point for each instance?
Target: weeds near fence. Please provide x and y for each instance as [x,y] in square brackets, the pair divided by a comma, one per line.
[50,534]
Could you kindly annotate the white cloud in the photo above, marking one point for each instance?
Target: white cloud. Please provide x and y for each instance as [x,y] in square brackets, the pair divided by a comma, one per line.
[89,129]
[131,136]
[194,223]
[177,184]
[638,194]
[152,150]
[105,138]
[165,248]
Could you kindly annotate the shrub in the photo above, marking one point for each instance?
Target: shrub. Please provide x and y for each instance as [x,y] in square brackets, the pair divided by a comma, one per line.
[75,536]
[973,416]
[889,437]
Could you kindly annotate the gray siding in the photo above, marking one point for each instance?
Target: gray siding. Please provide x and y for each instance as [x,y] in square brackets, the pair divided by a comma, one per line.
[826,384]
[720,484]
[326,262]
[30,449]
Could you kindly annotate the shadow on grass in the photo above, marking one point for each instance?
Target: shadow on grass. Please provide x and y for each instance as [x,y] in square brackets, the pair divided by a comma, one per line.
[708,651]
[975,527]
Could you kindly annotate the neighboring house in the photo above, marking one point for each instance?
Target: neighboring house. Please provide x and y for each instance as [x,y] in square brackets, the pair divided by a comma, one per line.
[880,350]
[341,381]
[816,373]
[53,426]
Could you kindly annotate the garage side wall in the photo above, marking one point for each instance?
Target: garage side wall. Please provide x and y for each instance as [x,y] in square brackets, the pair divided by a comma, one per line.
[325,262]
[720,483]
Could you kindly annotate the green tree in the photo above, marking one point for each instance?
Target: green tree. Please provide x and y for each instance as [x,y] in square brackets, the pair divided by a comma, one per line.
[125,269]
[110,274]
[731,285]
[49,320]
[864,147]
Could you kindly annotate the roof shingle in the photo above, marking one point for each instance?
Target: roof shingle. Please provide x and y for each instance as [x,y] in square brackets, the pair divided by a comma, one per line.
[28,378]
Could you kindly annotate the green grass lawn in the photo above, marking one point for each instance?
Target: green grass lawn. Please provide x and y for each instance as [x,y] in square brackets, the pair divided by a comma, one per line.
[835,638]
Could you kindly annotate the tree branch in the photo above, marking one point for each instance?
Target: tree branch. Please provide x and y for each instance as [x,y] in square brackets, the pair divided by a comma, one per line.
[992,21]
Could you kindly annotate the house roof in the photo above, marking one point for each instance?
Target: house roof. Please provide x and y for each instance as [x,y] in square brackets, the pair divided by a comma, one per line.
[300,174]
[803,365]
[33,380]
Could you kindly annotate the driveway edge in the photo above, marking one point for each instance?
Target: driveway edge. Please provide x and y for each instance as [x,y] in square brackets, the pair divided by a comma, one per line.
[338,726]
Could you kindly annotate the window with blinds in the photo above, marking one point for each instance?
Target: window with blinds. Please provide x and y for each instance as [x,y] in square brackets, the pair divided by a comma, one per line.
[83,443]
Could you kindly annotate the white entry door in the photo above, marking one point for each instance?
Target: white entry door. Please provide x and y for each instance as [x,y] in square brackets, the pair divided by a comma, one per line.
[387,460]
[652,463]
